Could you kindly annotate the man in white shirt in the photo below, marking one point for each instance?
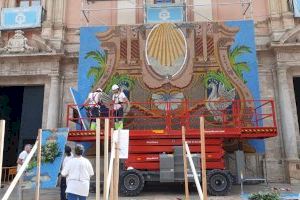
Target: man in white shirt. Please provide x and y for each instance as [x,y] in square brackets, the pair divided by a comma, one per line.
[23,155]
[119,100]
[78,171]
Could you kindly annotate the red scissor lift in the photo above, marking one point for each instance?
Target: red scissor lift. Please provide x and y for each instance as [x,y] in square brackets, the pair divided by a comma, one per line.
[155,130]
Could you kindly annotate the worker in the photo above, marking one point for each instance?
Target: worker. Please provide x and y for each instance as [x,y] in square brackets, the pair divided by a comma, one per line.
[120,101]
[23,155]
[78,172]
[21,159]
[63,183]
[92,105]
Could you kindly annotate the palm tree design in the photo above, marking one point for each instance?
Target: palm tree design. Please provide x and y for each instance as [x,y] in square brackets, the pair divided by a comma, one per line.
[239,67]
[97,71]
[218,76]
[122,80]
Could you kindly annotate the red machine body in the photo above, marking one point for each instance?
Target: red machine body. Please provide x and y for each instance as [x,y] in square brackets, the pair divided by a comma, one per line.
[153,131]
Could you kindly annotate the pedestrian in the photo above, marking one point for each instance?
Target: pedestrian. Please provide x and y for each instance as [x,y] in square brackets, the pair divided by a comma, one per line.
[21,159]
[120,101]
[78,172]
[63,183]
[23,155]
[92,104]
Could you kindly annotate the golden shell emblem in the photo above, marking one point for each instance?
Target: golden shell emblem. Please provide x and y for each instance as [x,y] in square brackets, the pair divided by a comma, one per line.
[166,46]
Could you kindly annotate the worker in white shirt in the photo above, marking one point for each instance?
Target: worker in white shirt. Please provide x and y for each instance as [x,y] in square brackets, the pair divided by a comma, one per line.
[120,100]
[23,155]
[92,104]
[78,171]
[63,183]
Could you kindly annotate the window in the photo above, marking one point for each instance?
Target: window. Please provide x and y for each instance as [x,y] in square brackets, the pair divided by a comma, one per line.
[164,1]
[28,3]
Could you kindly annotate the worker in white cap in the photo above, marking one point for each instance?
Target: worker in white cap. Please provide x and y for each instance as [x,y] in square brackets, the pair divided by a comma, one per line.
[120,100]
[92,105]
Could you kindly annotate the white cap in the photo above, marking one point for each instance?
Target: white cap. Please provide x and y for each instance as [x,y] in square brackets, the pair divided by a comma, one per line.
[115,87]
[99,90]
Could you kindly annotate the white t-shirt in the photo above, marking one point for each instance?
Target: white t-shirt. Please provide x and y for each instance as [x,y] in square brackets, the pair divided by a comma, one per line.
[94,98]
[66,159]
[22,157]
[117,99]
[78,171]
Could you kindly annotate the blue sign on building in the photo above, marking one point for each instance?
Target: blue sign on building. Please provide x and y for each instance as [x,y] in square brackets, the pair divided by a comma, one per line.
[22,17]
[166,12]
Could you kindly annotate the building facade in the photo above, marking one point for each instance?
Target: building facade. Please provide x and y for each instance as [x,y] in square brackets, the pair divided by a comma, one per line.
[46,56]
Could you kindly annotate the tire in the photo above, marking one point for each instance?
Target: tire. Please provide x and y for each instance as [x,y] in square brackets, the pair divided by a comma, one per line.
[131,182]
[219,182]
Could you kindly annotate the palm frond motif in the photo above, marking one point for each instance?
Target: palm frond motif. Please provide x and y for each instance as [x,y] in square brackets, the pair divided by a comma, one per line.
[239,67]
[219,77]
[120,79]
[97,71]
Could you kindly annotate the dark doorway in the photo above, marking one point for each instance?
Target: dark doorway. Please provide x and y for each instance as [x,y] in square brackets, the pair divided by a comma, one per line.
[296,81]
[22,108]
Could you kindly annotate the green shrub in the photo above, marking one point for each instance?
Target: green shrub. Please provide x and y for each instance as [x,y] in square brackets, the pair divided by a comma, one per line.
[264,196]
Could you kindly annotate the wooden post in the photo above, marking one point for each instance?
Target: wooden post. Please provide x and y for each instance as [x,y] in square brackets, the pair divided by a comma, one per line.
[106,133]
[116,167]
[38,166]
[186,182]
[98,143]
[203,158]
[2,135]
[112,154]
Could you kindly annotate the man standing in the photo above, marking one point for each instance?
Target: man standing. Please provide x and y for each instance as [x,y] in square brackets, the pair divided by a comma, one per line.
[93,103]
[23,155]
[78,171]
[119,100]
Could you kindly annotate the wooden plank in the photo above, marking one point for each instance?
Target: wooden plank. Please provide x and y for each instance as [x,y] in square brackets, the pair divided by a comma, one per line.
[116,167]
[2,136]
[203,158]
[38,166]
[111,196]
[98,166]
[106,136]
[186,182]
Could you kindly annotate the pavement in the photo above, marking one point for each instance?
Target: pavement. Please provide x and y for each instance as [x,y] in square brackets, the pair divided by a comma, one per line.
[171,192]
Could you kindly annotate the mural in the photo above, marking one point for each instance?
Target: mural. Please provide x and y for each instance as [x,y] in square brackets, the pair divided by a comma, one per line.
[166,62]
[53,144]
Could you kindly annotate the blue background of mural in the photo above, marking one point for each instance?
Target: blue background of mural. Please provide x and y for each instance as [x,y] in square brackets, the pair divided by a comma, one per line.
[88,37]
[246,36]
[49,169]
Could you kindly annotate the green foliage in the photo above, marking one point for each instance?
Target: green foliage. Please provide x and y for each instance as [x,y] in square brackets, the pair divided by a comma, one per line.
[217,76]
[97,71]
[264,196]
[239,67]
[119,79]
[50,152]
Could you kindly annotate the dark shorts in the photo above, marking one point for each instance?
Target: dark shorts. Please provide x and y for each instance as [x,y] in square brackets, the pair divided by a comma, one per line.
[93,112]
[119,114]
